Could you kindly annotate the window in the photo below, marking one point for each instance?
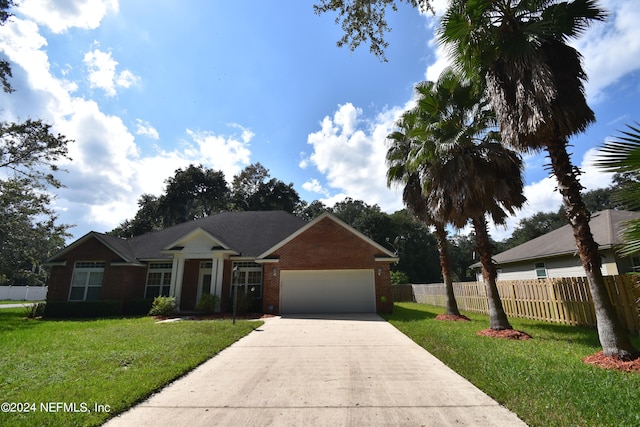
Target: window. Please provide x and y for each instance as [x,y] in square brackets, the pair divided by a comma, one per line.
[541,270]
[87,280]
[249,278]
[158,280]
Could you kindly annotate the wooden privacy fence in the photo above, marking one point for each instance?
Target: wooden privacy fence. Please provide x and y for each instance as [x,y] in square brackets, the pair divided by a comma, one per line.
[561,300]
[402,293]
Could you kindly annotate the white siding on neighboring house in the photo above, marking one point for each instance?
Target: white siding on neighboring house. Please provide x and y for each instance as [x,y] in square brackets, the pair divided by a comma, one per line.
[564,266]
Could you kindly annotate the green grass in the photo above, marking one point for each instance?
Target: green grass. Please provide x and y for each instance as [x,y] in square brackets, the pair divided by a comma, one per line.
[542,380]
[5,302]
[115,362]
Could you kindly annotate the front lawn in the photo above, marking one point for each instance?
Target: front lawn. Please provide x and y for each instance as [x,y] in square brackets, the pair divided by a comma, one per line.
[72,372]
[7,302]
[542,380]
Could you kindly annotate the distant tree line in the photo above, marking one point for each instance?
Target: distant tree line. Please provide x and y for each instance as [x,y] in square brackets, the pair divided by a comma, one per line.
[197,192]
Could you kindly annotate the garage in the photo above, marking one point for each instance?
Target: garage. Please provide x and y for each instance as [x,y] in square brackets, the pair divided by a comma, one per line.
[327,291]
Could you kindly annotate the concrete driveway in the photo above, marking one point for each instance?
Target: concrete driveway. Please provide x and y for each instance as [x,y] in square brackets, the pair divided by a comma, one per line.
[351,370]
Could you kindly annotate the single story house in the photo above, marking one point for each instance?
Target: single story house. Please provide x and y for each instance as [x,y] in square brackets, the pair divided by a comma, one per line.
[286,264]
[555,254]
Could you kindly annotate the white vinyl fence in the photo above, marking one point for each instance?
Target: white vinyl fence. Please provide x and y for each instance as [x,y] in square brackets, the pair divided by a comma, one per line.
[23,293]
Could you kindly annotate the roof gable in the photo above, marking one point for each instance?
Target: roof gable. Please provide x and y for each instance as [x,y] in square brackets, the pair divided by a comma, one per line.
[313,223]
[605,227]
[117,245]
[197,241]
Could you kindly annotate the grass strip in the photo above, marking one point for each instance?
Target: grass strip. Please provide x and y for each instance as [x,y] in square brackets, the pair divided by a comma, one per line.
[84,363]
[542,380]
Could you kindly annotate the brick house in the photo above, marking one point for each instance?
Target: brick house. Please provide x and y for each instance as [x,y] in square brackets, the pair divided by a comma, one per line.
[283,263]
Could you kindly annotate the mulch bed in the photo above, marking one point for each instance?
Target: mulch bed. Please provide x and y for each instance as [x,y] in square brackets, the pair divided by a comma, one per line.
[510,334]
[611,362]
[453,317]
[216,316]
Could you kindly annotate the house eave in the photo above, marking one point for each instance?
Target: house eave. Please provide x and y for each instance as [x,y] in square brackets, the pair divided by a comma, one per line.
[267,261]
[55,264]
[539,256]
[128,264]
[387,259]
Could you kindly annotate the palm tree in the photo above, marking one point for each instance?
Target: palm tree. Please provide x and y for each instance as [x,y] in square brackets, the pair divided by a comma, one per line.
[398,173]
[535,82]
[622,156]
[464,170]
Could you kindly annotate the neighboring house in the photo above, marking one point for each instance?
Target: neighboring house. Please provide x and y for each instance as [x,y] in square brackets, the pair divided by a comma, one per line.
[287,264]
[555,254]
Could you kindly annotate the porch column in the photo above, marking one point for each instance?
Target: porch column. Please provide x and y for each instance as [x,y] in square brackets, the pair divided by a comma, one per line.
[217,270]
[176,279]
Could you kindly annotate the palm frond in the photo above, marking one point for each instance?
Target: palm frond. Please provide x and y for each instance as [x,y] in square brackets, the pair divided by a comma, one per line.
[631,238]
[622,154]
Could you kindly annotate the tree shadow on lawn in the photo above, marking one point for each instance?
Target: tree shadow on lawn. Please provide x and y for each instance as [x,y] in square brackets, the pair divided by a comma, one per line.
[13,319]
[406,314]
[568,333]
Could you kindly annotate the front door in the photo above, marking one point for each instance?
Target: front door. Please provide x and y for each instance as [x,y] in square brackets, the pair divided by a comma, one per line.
[207,283]
[204,281]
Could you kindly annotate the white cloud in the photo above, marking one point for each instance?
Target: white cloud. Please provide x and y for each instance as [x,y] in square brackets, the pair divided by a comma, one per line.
[227,153]
[542,195]
[350,151]
[611,50]
[314,186]
[60,16]
[144,128]
[102,72]
[107,173]
[304,161]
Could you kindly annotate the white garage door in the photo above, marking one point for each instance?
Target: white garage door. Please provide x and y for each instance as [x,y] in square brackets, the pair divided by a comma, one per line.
[327,291]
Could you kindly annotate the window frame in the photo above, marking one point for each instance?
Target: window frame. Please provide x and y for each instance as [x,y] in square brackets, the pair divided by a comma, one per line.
[245,268]
[541,267]
[165,270]
[91,269]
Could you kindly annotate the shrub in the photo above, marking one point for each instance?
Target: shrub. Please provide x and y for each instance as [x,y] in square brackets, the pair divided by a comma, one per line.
[399,278]
[136,307]
[35,310]
[82,309]
[163,306]
[207,303]
[246,304]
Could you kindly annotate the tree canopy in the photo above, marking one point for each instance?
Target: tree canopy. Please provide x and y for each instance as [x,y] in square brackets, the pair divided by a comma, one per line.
[5,67]
[28,233]
[30,150]
[197,192]
[365,21]
[29,156]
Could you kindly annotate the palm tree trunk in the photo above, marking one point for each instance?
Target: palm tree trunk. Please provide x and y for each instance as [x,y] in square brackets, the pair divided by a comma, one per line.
[497,317]
[445,266]
[613,337]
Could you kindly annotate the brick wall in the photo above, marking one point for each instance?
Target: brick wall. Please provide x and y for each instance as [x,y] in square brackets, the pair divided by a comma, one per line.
[119,282]
[327,246]
[190,284]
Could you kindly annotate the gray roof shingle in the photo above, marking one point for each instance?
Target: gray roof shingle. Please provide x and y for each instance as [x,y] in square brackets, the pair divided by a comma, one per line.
[249,233]
[605,226]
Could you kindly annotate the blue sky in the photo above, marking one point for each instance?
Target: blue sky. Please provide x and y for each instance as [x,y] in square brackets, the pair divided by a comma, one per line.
[147,87]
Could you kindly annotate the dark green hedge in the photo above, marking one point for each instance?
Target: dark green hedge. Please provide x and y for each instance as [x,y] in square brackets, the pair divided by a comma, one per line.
[136,307]
[82,309]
